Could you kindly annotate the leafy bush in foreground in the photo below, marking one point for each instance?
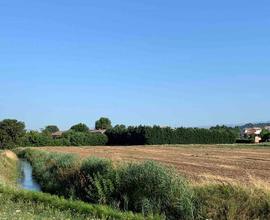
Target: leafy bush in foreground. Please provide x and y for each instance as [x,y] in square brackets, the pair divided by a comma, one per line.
[147,188]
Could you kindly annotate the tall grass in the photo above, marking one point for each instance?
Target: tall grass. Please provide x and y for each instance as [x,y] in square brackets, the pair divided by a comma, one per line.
[150,187]
[231,202]
[147,188]
[55,173]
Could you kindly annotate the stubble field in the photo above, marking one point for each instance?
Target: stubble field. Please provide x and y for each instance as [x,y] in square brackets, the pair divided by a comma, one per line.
[198,163]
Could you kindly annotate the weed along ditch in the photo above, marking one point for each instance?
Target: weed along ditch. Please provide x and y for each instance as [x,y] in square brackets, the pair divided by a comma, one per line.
[146,190]
[26,179]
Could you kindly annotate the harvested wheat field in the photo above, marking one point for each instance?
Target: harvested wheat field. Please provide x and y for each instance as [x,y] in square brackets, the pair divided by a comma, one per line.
[197,163]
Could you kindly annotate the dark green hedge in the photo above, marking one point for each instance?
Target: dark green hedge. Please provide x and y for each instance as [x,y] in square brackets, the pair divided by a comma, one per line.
[120,135]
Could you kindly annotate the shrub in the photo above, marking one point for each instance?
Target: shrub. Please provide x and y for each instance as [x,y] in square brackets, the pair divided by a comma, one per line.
[98,182]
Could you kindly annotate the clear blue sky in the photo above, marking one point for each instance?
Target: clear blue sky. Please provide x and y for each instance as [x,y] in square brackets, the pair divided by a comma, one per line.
[178,63]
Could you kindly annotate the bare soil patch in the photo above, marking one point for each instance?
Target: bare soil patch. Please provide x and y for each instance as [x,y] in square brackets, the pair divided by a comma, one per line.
[198,163]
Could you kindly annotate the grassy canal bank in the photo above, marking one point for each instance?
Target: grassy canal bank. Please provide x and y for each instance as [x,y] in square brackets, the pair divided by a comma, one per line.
[17,203]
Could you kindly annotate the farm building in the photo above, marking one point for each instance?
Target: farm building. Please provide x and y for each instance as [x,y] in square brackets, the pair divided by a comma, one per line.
[57,134]
[256,131]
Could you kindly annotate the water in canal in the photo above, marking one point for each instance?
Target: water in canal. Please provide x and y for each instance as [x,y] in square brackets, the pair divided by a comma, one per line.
[27,181]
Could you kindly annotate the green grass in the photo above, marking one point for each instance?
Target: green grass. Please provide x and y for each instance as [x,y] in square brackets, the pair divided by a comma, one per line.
[28,210]
[32,202]
[22,204]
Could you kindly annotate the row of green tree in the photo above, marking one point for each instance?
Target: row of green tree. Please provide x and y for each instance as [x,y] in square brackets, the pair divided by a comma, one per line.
[68,138]
[13,134]
[122,135]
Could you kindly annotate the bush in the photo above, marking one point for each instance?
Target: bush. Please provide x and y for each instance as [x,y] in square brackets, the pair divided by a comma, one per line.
[98,181]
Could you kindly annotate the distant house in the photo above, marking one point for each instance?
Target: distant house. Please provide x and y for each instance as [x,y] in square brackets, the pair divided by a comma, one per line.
[256,131]
[100,131]
[57,134]
[253,131]
[267,128]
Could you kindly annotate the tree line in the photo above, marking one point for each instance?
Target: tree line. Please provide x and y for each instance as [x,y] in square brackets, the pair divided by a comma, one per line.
[13,134]
[146,135]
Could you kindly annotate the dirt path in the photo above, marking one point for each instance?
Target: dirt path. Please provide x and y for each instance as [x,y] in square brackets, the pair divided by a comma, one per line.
[195,162]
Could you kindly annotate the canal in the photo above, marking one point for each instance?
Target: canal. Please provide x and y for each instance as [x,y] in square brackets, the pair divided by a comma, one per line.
[27,180]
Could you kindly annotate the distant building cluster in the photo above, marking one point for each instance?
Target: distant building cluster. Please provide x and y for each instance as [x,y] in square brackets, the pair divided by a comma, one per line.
[255,132]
